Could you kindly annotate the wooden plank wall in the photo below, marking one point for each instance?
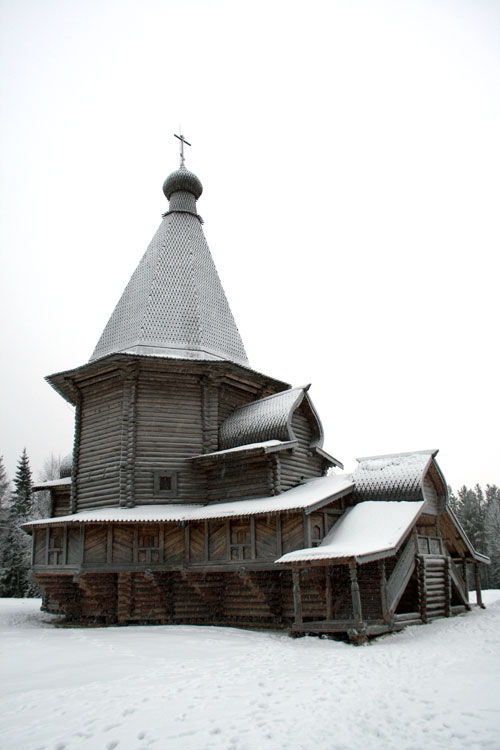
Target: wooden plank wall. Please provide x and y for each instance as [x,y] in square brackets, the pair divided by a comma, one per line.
[430,494]
[61,501]
[235,540]
[230,397]
[299,465]
[169,430]
[257,599]
[233,480]
[100,444]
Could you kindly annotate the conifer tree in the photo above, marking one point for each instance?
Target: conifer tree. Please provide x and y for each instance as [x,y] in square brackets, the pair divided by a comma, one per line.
[15,557]
[4,486]
[23,482]
[492,530]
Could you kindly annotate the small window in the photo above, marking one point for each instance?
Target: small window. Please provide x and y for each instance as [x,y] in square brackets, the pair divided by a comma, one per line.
[165,483]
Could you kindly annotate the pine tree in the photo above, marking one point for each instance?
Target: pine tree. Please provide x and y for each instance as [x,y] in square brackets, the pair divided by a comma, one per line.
[469,506]
[23,482]
[15,555]
[4,486]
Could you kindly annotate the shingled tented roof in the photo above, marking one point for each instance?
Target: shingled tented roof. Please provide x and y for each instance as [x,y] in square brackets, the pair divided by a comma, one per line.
[397,476]
[174,304]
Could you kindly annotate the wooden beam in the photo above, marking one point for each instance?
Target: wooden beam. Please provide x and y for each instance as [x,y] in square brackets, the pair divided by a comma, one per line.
[109,545]
[329,591]
[206,541]
[477,577]
[307,532]
[65,546]
[297,597]
[355,595]
[279,538]
[383,591]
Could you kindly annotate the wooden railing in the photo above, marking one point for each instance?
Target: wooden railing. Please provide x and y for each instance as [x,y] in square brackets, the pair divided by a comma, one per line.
[461,586]
[400,576]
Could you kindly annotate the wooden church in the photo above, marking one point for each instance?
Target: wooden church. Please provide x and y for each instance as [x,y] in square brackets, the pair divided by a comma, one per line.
[199,490]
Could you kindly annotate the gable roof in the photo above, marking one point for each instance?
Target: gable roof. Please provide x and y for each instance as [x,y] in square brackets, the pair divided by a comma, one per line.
[397,476]
[174,304]
[368,531]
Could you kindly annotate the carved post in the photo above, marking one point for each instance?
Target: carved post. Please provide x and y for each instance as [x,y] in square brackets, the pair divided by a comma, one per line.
[383,591]
[479,598]
[329,592]
[297,597]
[355,595]
[464,576]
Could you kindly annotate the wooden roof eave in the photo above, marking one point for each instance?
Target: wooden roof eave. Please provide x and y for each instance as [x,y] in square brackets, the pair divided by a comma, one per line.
[358,559]
[327,457]
[63,382]
[474,556]
[327,500]
[234,455]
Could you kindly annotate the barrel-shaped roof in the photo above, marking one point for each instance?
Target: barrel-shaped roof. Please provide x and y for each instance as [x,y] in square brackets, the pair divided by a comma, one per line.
[266,419]
[397,476]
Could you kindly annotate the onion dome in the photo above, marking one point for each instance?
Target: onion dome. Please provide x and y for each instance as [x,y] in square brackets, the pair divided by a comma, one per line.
[182,180]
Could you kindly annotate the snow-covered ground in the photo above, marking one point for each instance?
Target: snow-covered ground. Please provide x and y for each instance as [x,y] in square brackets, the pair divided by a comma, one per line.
[434,687]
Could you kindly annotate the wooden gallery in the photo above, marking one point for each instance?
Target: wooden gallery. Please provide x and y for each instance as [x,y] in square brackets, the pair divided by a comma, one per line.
[199,490]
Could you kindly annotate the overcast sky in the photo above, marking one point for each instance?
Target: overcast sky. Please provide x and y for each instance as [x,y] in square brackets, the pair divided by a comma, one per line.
[350,157]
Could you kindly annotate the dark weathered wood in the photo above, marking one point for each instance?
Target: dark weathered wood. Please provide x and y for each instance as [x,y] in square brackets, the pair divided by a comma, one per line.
[329,592]
[477,579]
[356,599]
[297,598]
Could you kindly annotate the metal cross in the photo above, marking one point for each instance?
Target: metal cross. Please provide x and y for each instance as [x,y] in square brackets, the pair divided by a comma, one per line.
[183,141]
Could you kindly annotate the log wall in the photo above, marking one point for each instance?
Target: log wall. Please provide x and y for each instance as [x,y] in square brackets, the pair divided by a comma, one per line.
[99,450]
[301,464]
[61,501]
[234,480]
[169,431]
[249,599]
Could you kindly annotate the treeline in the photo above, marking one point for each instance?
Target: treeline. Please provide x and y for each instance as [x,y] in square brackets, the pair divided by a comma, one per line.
[478,511]
[17,505]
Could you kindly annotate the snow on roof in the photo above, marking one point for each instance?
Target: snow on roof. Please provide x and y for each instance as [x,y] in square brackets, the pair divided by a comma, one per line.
[398,475]
[304,496]
[265,419]
[174,302]
[51,483]
[268,446]
[367,531]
